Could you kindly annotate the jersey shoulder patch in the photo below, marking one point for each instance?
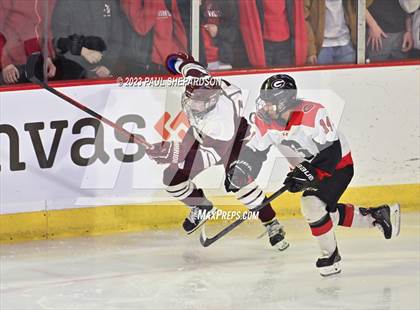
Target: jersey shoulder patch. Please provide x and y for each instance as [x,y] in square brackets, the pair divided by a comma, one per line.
[304,115]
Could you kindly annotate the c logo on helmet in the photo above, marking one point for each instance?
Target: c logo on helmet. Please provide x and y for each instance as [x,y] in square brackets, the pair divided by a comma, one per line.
[278,83]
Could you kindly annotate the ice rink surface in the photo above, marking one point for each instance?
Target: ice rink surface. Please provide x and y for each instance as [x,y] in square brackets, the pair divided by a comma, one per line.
[168,270]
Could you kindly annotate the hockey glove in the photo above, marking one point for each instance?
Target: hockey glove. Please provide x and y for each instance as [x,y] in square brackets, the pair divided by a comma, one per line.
[238,175]
[245,169]
[165,152]
[300,178]
[173,58]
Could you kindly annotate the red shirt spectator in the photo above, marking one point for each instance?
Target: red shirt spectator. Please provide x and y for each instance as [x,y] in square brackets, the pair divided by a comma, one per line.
[257,29]
[2,38]
[22,27]
[2,43]
[211,16]
[276,27]
[153,15]
[219,34]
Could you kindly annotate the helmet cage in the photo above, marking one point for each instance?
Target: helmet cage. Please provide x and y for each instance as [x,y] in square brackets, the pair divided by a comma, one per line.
[198,103]
[276,100]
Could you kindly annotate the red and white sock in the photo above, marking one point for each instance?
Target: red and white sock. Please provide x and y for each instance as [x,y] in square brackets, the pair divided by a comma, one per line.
[323,232]
[320,222]
[348,215]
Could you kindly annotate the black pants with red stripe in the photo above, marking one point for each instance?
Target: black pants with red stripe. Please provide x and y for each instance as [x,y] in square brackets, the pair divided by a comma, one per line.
[329,190]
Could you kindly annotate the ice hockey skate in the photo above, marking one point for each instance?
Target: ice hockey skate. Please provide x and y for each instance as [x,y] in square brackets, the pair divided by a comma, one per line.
[197,217]
[329,265]
[276,235]
[387,219]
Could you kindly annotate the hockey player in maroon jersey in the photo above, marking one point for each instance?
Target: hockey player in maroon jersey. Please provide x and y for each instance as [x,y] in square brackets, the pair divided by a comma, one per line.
[214,110]
[321,163]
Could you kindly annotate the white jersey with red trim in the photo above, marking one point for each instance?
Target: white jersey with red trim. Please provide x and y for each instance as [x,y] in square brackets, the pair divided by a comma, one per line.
[308,131]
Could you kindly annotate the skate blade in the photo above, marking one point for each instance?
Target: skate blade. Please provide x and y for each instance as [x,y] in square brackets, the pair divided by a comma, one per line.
[395,214]
[330,270]
[281,245]
[209,215]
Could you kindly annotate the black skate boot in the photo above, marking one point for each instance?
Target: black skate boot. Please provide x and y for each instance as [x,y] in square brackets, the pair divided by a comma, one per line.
[387,219]
[197,217]
[276,235]
[329,265]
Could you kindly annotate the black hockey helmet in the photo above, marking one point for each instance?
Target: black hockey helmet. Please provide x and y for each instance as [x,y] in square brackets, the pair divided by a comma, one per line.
[277,93]
[200,96]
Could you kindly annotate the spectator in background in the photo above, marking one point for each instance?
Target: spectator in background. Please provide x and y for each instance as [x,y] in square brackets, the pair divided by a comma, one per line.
[413,7]
[332,31]
[274,32]
[22,28]
[219,31]
[389,31]
[184,7]
[160,19]
[2,43]
[91,34]
[2,37]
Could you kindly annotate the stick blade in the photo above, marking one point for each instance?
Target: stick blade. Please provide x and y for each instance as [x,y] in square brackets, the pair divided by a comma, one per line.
[34,67]
[203,238]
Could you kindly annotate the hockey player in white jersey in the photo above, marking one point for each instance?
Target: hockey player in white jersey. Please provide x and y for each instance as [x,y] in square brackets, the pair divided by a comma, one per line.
[214,110]
[321,163]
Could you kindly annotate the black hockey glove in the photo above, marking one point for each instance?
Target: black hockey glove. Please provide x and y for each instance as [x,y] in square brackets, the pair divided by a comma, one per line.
[245,169]
[165,152]
[238,175]
[300,178]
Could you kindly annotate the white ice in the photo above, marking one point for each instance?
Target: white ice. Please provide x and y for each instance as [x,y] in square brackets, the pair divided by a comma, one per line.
[168,270]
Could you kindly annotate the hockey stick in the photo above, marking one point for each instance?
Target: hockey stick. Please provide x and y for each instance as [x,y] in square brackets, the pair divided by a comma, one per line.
[35,59]
[205,241]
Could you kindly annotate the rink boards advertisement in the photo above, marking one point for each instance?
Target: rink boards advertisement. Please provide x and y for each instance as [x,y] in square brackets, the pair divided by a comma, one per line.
[54,156]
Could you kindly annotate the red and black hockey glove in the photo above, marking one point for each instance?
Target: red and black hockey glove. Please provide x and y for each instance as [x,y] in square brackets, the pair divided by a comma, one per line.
[165,152]
[303,176]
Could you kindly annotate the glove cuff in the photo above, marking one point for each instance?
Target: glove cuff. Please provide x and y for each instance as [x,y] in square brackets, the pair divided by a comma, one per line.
[174,61]
[307,170]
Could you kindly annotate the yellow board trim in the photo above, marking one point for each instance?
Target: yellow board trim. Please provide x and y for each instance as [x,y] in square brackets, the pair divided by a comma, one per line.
[53,224]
